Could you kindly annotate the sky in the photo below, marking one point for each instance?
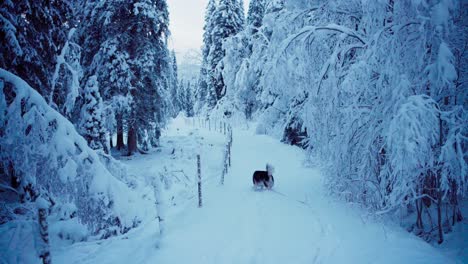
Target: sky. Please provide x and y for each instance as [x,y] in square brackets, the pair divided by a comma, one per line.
[186,23]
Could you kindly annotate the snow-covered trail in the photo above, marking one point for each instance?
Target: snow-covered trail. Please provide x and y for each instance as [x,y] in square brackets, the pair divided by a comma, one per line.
[293,223]
[240,225]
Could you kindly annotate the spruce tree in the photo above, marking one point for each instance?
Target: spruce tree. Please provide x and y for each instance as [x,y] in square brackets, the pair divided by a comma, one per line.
[112,66]
[240,11]
[174,84]
[255,14]
[201,92]
[128,52]
[92,121]
[147,45]
[189,104]
[186,98]
[104,41]
[226,24]
[31,33]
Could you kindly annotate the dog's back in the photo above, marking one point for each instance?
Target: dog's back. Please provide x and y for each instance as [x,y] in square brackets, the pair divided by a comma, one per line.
[259,177]
[262,178]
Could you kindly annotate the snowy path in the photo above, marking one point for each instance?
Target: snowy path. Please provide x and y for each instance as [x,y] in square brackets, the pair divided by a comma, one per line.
[295,223]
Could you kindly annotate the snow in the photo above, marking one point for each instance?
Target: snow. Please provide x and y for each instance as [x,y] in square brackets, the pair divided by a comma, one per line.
[294,223]
[101,203]
[42,203]
[69,58]
[68,172]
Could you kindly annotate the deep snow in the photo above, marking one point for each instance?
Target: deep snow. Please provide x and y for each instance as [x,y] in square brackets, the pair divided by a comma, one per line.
[294,223]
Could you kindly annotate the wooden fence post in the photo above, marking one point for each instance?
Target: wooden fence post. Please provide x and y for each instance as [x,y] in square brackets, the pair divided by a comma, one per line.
[199,181]
[224,164]
[43,246]
[230,145]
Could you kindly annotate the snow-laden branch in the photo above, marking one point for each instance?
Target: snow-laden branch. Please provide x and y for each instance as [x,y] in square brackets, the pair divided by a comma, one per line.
[344,30]
[73,68]
[307,31]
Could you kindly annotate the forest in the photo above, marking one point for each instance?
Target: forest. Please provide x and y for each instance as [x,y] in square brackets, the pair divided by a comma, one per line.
[373,93]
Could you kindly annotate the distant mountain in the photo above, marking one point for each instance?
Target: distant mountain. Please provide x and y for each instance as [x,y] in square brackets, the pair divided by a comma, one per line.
[189,63]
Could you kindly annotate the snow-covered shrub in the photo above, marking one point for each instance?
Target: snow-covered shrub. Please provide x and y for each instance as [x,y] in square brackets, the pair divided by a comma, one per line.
[412,136]
[42,154]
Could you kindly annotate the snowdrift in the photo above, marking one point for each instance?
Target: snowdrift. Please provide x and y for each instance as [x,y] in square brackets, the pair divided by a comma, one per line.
[41,154]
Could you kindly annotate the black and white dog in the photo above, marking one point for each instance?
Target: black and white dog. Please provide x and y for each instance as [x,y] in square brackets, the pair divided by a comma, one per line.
[264,178]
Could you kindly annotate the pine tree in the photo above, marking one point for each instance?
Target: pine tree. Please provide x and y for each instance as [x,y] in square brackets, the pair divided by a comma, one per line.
[186,98]
[104,53]
[92,122]
[202,89]
[226,24]
[31,33]
[174,84]
[128,52]
[151,66]
[189,104]
[111,65]
[255,14]
[240,11]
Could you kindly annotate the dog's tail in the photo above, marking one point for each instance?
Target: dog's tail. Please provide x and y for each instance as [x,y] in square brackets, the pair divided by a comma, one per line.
[270,169]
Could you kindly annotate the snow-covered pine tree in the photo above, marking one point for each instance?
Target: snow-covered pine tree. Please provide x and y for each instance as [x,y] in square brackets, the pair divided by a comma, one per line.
[255,14]
[185,97]
[104,53]
[32,33]
[92,118]
[189,100]
[226,24]
[148,27]
[240,11]
[203,80]
[174,82]
[111,65]
[128,52]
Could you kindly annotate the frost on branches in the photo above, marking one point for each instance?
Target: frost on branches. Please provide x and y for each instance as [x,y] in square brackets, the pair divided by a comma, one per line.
[41,154]
[375,90]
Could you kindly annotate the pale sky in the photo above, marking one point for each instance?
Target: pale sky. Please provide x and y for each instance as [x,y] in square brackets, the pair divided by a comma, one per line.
[187,18]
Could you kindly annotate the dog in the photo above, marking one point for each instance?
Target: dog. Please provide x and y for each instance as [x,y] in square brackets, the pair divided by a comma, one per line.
[264,178]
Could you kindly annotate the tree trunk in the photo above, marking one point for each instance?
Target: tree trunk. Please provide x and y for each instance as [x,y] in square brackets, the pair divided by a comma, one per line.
[120,137]
[111,143]
[439,187]
[200,203]
[439,218]
[132,140]
[419,209]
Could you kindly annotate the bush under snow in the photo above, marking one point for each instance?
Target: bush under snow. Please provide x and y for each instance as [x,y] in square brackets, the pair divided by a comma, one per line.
[42,155]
